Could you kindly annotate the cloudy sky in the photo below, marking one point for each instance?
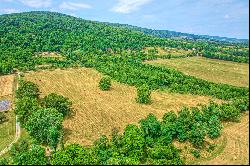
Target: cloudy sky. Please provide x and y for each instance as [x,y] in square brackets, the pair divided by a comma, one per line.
[227,18]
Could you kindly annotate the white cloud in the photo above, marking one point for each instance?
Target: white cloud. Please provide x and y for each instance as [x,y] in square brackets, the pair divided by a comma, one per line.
[226,16]
[74,6]
[9,10]
[37,3]
[128,6]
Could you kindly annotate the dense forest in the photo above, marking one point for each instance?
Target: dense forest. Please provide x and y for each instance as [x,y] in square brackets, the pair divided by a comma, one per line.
[174,34]
[21,35]
[117,52]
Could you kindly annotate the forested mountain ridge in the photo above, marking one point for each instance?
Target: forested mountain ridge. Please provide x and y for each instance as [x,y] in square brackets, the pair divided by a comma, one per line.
[175,34]
[23,34]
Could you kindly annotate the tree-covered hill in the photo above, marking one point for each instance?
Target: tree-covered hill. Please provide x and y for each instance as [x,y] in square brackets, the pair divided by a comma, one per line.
[23,34]
[174,34]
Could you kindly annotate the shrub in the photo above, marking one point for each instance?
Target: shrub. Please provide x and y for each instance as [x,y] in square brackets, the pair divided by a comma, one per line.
[229,113]
[105,83]
[184,123]
[150,126]
[196,153]
[197,135]
[133,142]
[169,117]
[168,132]
[164,155]
[211,147]
[143,94]
[2,117]
[74,154]
[214,127]
[4,161]
[59,102]
[28,89]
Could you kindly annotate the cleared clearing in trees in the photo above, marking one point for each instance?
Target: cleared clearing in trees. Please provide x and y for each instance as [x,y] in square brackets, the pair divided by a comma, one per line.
[97,112]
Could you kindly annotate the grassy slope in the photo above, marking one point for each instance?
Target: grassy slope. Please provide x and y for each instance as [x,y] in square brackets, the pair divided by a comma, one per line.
[210,69]
[236,150]
[96,112]
[7,129]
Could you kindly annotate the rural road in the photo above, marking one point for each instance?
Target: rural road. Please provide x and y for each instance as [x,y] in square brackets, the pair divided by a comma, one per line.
[18,131]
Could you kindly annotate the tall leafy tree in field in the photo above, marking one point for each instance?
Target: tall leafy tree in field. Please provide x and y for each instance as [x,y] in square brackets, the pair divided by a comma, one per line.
[27,89]
[45,126]
[143,94]
[25,107]
[59,102]
[24,154]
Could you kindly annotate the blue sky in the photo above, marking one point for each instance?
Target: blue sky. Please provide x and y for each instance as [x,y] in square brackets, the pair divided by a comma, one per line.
[227,18]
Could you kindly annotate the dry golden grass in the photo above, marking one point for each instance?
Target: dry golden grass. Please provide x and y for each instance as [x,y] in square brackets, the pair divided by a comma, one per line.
[232,147]
[97,112]
[236,150]
[6,85]
[8,128]
[49,54]
[168,50]
[219,71]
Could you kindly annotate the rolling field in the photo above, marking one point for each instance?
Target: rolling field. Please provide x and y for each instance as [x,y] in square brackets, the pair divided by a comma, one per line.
[236,150]
[7,129]
[97,112]
[169,50]
[218,71]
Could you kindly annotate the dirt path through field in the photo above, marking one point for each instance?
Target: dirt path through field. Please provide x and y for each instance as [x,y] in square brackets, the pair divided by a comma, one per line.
[18,130]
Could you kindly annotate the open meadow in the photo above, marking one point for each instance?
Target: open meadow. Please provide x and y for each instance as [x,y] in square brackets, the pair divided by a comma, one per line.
[214,70]
[7,128]
[97,112]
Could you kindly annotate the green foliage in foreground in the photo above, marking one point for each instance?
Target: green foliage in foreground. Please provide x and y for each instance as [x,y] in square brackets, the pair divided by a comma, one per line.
[105,83]
[143,94]
[45,126]
[24,154]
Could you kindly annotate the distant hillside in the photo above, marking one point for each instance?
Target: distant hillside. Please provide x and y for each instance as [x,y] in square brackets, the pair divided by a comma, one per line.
[23,34]
[174,34]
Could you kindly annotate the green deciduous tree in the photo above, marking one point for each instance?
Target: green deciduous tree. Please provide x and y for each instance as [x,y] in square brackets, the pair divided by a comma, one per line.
[133,142]
[74,154]
[214,127]
[24,154]
[105,83]
[143,94]
[59,102]
[27,89]
[45,126]
[25,106]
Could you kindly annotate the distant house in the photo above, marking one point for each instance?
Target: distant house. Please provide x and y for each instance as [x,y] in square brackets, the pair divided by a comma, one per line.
[5,105]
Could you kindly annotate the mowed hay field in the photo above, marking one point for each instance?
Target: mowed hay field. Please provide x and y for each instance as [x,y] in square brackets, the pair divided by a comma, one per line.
[97,112]
[218,71]
[8,128]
